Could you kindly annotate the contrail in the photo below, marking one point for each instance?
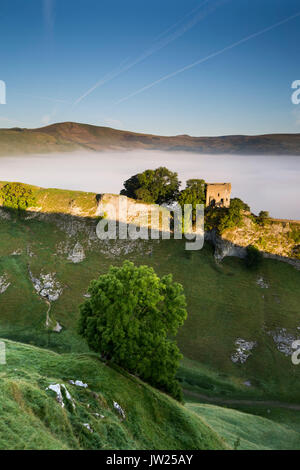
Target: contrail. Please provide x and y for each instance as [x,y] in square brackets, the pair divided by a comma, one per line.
[49,14]
[205,59]
[158,45]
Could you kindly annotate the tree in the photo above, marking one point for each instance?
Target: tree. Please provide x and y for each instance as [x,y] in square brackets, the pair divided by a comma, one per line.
[194,193]
[17,196]
[154,186]
[263,218]
[132,318]
[232,217]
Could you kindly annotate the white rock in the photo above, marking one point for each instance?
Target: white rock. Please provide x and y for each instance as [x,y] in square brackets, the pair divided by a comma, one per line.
[78,383]
[283,340]
[57,328]
[262,283]
[4,284]
[119,409]
[57,388]
[47,286]
[88,427]
[243,350]
[77,255]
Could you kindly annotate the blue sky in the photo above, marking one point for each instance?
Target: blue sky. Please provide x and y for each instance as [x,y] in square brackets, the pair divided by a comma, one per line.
[128,64]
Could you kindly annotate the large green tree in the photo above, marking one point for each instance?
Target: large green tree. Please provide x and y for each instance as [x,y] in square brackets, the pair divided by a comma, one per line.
[132,318]
[154,186]
[194,193]
[17,196]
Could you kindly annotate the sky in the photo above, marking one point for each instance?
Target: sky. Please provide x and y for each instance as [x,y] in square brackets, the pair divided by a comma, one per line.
[198,67]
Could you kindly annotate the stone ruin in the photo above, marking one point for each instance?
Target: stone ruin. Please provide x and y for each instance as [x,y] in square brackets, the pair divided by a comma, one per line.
[218,194]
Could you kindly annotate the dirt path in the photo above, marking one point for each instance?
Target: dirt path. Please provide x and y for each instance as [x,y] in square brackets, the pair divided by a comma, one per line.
[221,401]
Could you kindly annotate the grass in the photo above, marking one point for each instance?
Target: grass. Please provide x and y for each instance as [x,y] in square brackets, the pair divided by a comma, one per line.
[31,418]
[224,303]
[248,432]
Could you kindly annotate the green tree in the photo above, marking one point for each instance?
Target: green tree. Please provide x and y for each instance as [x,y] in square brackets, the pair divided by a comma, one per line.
[194,193]
[232,217]
[263,218]
[17,196]
[154,186]
[132,318]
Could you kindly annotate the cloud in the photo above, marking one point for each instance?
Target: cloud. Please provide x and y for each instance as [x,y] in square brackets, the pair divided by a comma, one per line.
[48,6]
[205,59]
[161,41]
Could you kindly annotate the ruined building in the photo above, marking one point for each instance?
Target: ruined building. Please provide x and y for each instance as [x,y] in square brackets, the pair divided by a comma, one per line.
[218,194]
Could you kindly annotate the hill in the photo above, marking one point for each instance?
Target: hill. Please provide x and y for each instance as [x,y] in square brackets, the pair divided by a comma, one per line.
[236,341]
[70,136]
[32,418]
[230,308]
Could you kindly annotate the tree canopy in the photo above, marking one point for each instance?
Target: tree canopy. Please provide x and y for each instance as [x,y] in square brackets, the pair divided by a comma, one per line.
[132,318]
[153,186]
[17,196]
[194,193]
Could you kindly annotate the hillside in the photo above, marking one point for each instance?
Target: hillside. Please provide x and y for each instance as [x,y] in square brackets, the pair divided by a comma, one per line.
[70,136]
[228,305]
[236,341]
[32,418]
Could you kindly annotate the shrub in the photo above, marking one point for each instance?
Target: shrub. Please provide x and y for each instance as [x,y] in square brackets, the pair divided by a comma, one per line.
[17,196]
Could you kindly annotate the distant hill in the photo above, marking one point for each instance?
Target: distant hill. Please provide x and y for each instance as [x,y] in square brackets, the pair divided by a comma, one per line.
[70,136]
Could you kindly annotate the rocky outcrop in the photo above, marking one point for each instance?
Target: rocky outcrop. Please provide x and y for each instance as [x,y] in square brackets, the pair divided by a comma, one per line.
[273,240]
[4,284]
[77,255]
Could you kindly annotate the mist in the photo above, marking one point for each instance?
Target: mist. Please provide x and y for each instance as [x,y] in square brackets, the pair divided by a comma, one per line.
[265,182]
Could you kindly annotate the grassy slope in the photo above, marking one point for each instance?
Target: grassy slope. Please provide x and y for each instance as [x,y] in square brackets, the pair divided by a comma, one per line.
[250,432]
[31,418]
[224,303]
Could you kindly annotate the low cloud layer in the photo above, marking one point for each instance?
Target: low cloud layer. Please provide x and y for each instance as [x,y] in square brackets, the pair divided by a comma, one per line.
[264,182]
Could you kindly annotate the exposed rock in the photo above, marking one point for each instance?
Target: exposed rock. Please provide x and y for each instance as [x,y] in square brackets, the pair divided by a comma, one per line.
[17,252]
[88,427]
[29,252]
[60,390]
[262,283]
[243,350]
[4,284]
[283,340]
[78,383]
[120,410]
[46,286]
[57,328]
[77,255]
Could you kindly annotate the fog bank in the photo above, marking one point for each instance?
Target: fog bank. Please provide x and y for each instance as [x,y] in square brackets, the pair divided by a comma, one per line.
[264,182]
